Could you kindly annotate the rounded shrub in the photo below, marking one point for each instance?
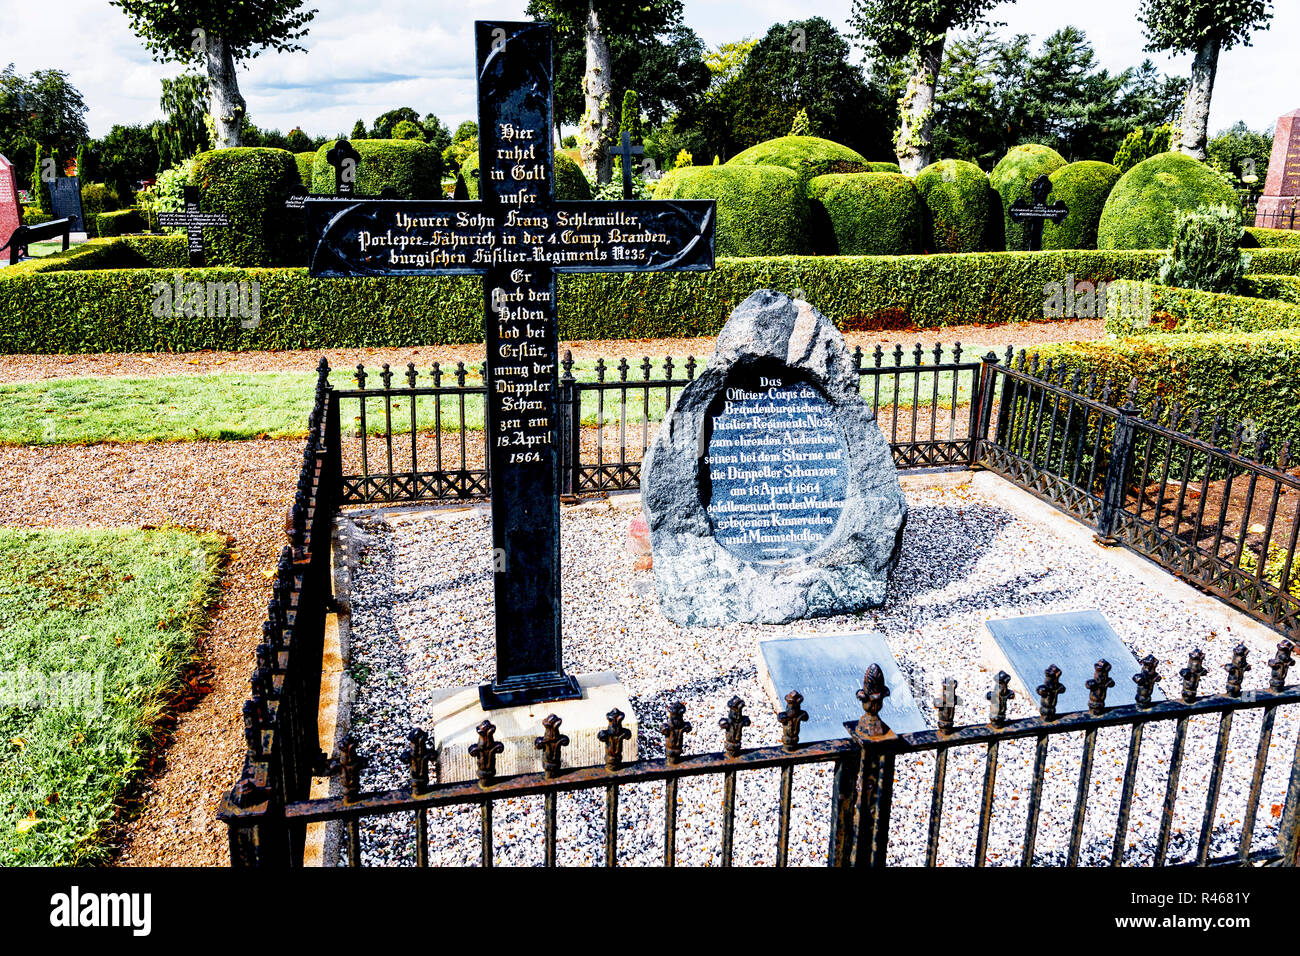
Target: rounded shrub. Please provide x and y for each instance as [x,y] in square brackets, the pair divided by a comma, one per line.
[306,162]
[1141,209]
[808,156]
[1013,176]
[864,214]
[250,185]
[1083,187]
[874,167]
[410,167]
[958,205]
[570,182]
[762,210]
[97,198]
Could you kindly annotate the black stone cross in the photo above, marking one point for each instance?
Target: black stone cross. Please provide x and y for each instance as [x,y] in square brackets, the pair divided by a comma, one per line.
[518,237]
[627,151]
[344,157]
[193,222]
[1034,214]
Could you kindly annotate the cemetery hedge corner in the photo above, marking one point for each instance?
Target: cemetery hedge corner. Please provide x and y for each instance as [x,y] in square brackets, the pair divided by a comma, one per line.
[98,297]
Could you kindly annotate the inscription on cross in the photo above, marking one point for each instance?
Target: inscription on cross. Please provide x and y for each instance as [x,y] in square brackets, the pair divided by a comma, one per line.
[193,222]
[1035,214]
[518,237]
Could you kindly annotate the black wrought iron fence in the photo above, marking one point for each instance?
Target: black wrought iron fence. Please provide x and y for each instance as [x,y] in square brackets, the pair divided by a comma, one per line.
[418,436]
[1276,219]
[1224,520]
[1216,505]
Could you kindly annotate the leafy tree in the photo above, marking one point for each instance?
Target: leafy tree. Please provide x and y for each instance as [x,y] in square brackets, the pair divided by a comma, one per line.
[408,129]
[801,126]
[1243,154]
[631,117]
[385,123]
[1140,145]
[1204,28]
[466,131]
[359,129]
[595,22]
[127,155]
[436,132]
[184,132]
[42,109]
[299,142]
[915,30]
[216,34]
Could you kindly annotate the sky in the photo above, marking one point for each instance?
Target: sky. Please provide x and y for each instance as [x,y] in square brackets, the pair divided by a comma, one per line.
[364,58]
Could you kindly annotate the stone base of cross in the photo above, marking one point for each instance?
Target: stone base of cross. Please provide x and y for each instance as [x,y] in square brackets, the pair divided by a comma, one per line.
[518,237]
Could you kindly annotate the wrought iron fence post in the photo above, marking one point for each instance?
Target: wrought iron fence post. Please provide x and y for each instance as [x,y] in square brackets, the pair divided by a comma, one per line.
[982,402]
[570,428]
[1289,833]
[1118,467]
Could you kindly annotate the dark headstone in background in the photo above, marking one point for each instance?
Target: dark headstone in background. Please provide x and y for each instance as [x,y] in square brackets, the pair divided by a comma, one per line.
[65,201]
[785,503]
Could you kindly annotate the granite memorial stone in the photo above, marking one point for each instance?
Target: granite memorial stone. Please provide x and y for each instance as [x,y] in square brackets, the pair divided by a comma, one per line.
[11,211]
[1025,647]
[827,671]
[1277,206]
[65,201]
[770,492]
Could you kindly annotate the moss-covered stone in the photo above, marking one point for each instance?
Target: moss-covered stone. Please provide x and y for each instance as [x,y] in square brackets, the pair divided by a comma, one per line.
[1140,211]
[762,209]
[410,167]
[1012,178]
[864,214]
[959,206]
[1083,187]
[807,156]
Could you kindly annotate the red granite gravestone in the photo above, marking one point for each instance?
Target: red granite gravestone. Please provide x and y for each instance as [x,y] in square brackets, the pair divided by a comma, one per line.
[11,212]
[1277,206]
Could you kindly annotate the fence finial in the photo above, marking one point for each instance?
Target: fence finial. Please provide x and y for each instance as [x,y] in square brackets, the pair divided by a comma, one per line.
[1049,690]
[998,697]
[351,763]
[416,758]
[733,726]
[1191,675]
[872,696]
[1236,669]
[551,744]
[791,718]
[1097,685]
[675,730]
[1280,664]
[1146,680]
[485,752]
[946,705]
[612,737]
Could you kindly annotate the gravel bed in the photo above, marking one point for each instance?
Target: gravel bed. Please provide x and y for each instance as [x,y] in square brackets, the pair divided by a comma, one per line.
[422,618]
[27,368]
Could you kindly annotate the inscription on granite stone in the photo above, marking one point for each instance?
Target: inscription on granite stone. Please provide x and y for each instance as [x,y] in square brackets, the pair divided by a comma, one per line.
[777,468]
[1074,641]
[828,671]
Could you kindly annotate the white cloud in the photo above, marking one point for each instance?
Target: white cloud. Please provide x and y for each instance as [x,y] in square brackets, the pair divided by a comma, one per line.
[367,57]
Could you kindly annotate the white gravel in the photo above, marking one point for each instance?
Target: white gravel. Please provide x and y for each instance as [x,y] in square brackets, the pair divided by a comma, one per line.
[422,618]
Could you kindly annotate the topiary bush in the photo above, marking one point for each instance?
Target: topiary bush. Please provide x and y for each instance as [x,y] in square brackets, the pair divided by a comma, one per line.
[807,156]
[97,198]
[250,185]
[864,214]
[1141,209]
[411,167]
[762,210]
[873,167]
[1011,179]
[306,161]
[1206,254]
[958,205]
[119,223]
[1083,187]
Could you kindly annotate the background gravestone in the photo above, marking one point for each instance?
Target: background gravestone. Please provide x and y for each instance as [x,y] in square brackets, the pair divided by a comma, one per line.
[770,492]
[65,201]
[11,212]
[1282,186]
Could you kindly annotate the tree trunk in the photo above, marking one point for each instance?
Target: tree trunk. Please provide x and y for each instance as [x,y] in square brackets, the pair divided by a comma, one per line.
[594,130]
[916,111]
[1196,105]
[225,105]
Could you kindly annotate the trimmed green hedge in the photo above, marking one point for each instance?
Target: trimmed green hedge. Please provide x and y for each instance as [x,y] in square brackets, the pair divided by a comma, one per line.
[1083,187]
[1011,179]
[864,214]
[250,185]
[873,167]
[806,156]
[959,206]
[306,163]
[97,297]
[97,198]
[1134,309]
[1272,238]
[1243,376]
[119,223]
[1284,288]
[762,210]
[412,168]
[1140,211]
[570,181]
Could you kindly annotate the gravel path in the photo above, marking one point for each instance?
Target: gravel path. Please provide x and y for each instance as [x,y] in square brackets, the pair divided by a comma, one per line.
[422,619]
[239,489]
[26,368]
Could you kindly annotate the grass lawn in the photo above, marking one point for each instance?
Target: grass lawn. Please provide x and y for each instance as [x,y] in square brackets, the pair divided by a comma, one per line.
[96,627]
[276,404]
